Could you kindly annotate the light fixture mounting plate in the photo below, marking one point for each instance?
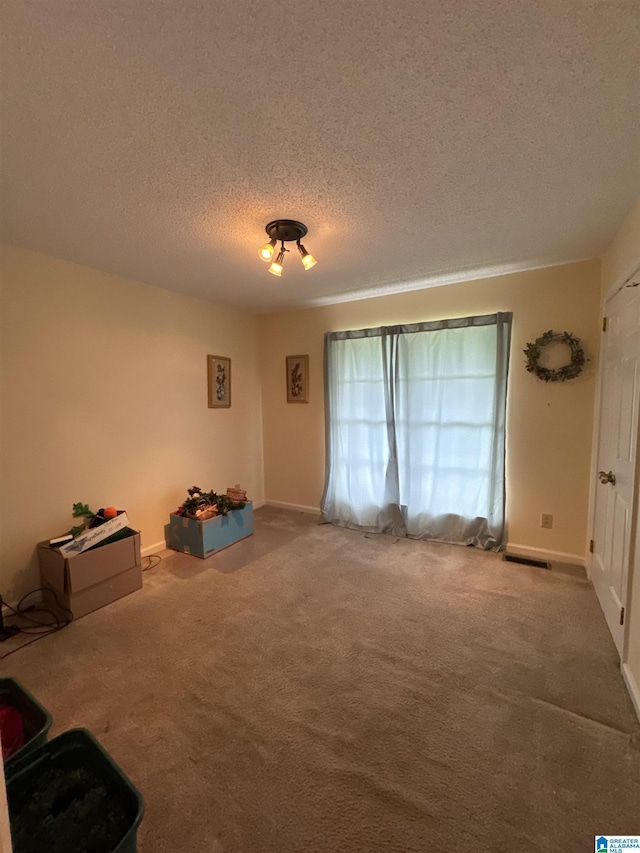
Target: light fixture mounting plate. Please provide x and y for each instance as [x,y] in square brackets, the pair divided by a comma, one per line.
[286,230]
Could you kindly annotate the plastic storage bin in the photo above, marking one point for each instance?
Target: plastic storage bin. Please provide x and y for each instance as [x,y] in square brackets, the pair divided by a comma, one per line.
[37,720]
[69,795]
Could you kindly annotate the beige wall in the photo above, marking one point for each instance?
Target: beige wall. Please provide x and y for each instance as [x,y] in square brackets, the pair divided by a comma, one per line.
[623,254]
[104,400]
[549,425]
[619,261]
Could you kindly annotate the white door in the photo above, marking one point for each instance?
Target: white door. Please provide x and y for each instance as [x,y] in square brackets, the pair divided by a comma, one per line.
[619,403]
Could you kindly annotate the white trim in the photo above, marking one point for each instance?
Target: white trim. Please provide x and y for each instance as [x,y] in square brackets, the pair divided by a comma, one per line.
[153,549]
[437,280]
[544,554]
[632,687]
[595,442]
[258,504]
[612,291]
[314,510]
[634,558]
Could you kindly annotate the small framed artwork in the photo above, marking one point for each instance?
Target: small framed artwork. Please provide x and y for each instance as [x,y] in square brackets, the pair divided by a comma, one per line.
[219,381]
[297,379]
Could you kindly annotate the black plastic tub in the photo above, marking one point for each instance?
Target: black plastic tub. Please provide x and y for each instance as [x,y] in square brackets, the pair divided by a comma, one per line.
[70,795]
[37,720]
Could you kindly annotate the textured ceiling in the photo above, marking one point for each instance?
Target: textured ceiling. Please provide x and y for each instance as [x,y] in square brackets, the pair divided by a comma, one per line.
[419,141]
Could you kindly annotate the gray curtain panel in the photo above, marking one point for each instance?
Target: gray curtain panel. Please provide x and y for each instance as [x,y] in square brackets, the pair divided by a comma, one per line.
[415,429]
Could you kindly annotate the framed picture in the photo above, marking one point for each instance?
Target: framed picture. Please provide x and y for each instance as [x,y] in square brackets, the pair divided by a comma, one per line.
[219,381]
[297,379]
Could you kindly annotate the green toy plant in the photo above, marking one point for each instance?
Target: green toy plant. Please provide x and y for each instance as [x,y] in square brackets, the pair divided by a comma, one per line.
[199,500]
[80,510]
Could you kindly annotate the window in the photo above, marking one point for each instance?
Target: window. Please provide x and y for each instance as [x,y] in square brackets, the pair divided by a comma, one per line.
[415,429]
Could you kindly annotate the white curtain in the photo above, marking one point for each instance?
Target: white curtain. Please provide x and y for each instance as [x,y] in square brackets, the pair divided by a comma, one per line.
[415,429]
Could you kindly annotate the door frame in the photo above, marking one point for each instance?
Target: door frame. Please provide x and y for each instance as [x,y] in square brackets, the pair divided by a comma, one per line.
[634,546]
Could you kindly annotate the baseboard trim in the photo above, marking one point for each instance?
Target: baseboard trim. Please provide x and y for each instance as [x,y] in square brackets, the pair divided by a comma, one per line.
[543,554]
[153,549]
[632,687]
[313,510]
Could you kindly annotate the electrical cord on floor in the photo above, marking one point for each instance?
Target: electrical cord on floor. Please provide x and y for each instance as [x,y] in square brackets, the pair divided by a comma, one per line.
[24,645]
[151,564]
[38,627]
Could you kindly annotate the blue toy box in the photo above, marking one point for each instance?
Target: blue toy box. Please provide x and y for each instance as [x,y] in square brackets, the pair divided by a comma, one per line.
[204,538]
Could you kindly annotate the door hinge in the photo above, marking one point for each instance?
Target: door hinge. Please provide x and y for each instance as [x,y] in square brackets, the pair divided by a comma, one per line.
[591,546]
[622,615]
[604,324]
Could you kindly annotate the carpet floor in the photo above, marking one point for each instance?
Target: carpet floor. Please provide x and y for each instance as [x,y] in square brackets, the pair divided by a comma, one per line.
[318,689]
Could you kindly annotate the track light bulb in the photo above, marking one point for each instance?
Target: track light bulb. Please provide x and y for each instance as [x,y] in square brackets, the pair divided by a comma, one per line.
[276,266]
[266,251]
[308,260]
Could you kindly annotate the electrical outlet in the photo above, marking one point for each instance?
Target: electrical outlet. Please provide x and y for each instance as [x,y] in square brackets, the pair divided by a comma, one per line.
[546,520]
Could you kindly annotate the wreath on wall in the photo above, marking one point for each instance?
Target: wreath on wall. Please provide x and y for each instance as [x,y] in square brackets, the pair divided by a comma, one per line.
[533,352]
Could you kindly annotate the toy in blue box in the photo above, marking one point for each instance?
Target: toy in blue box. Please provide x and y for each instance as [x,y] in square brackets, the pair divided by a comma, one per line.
[204,538]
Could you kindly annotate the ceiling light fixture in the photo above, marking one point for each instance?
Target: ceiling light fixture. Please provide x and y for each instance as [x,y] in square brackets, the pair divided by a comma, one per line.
[285,231]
